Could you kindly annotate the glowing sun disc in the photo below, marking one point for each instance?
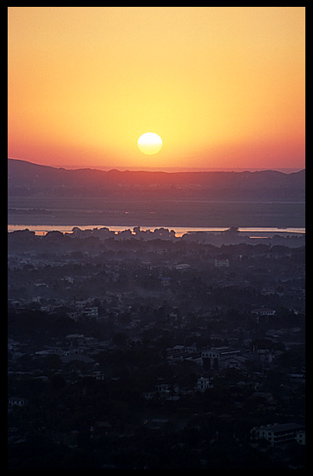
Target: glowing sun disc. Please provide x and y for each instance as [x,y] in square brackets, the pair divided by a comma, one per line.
[149,143]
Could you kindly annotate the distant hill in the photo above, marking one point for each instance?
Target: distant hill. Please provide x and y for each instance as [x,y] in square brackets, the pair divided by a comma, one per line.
[29,179]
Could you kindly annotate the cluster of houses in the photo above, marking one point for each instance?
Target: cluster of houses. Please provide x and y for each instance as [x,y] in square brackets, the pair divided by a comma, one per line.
[218,358]
[214,358]
[173,392]
[83,309]
[209,362]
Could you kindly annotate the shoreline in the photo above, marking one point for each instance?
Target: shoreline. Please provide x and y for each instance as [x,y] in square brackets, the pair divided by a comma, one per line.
[179,231]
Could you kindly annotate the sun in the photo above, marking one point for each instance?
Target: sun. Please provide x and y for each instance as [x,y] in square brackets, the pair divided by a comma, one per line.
[150,143]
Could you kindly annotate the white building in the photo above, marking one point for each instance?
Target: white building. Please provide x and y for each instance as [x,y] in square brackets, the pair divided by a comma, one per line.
[90,312]
[203,384]
[217,357]
[300,437]
[81,304]
[18,401]
[280,433]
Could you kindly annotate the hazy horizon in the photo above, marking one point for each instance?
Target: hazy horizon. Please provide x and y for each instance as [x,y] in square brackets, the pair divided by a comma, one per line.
[164,169]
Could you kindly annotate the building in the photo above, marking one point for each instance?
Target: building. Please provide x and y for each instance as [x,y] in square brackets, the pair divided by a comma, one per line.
[300,437]
[280,433]
[203,384]
[18,401]
[182,267]
[217,357]
[181,352]
[149,395]
[80,305]
[221,263]
[264,356]
[90,312]
[264,311]
[163,389]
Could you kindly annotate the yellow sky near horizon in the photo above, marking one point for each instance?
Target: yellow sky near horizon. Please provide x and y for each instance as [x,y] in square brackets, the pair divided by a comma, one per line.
[222,86]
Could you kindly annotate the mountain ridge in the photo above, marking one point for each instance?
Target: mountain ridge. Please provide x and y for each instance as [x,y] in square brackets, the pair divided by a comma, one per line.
[39,194]
[25,174]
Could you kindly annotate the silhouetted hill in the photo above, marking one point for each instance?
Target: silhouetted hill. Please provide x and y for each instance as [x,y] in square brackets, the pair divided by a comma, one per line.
[29,179]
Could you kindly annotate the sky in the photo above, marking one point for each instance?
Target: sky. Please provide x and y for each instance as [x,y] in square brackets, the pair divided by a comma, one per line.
[224,87]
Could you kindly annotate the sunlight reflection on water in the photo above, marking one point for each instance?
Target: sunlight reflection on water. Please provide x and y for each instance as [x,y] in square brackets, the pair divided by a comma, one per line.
[179,231]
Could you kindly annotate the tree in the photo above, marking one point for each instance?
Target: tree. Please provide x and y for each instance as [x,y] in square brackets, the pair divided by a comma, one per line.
[119,338]
[58,382]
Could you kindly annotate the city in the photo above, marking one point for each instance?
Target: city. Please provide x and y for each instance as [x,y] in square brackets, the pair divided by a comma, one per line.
[134,350]
[156,198]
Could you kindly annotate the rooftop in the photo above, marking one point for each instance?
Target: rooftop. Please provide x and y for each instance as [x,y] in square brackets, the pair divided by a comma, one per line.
[277,428]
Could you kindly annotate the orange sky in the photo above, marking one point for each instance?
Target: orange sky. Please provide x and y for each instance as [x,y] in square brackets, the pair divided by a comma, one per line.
[223,87]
